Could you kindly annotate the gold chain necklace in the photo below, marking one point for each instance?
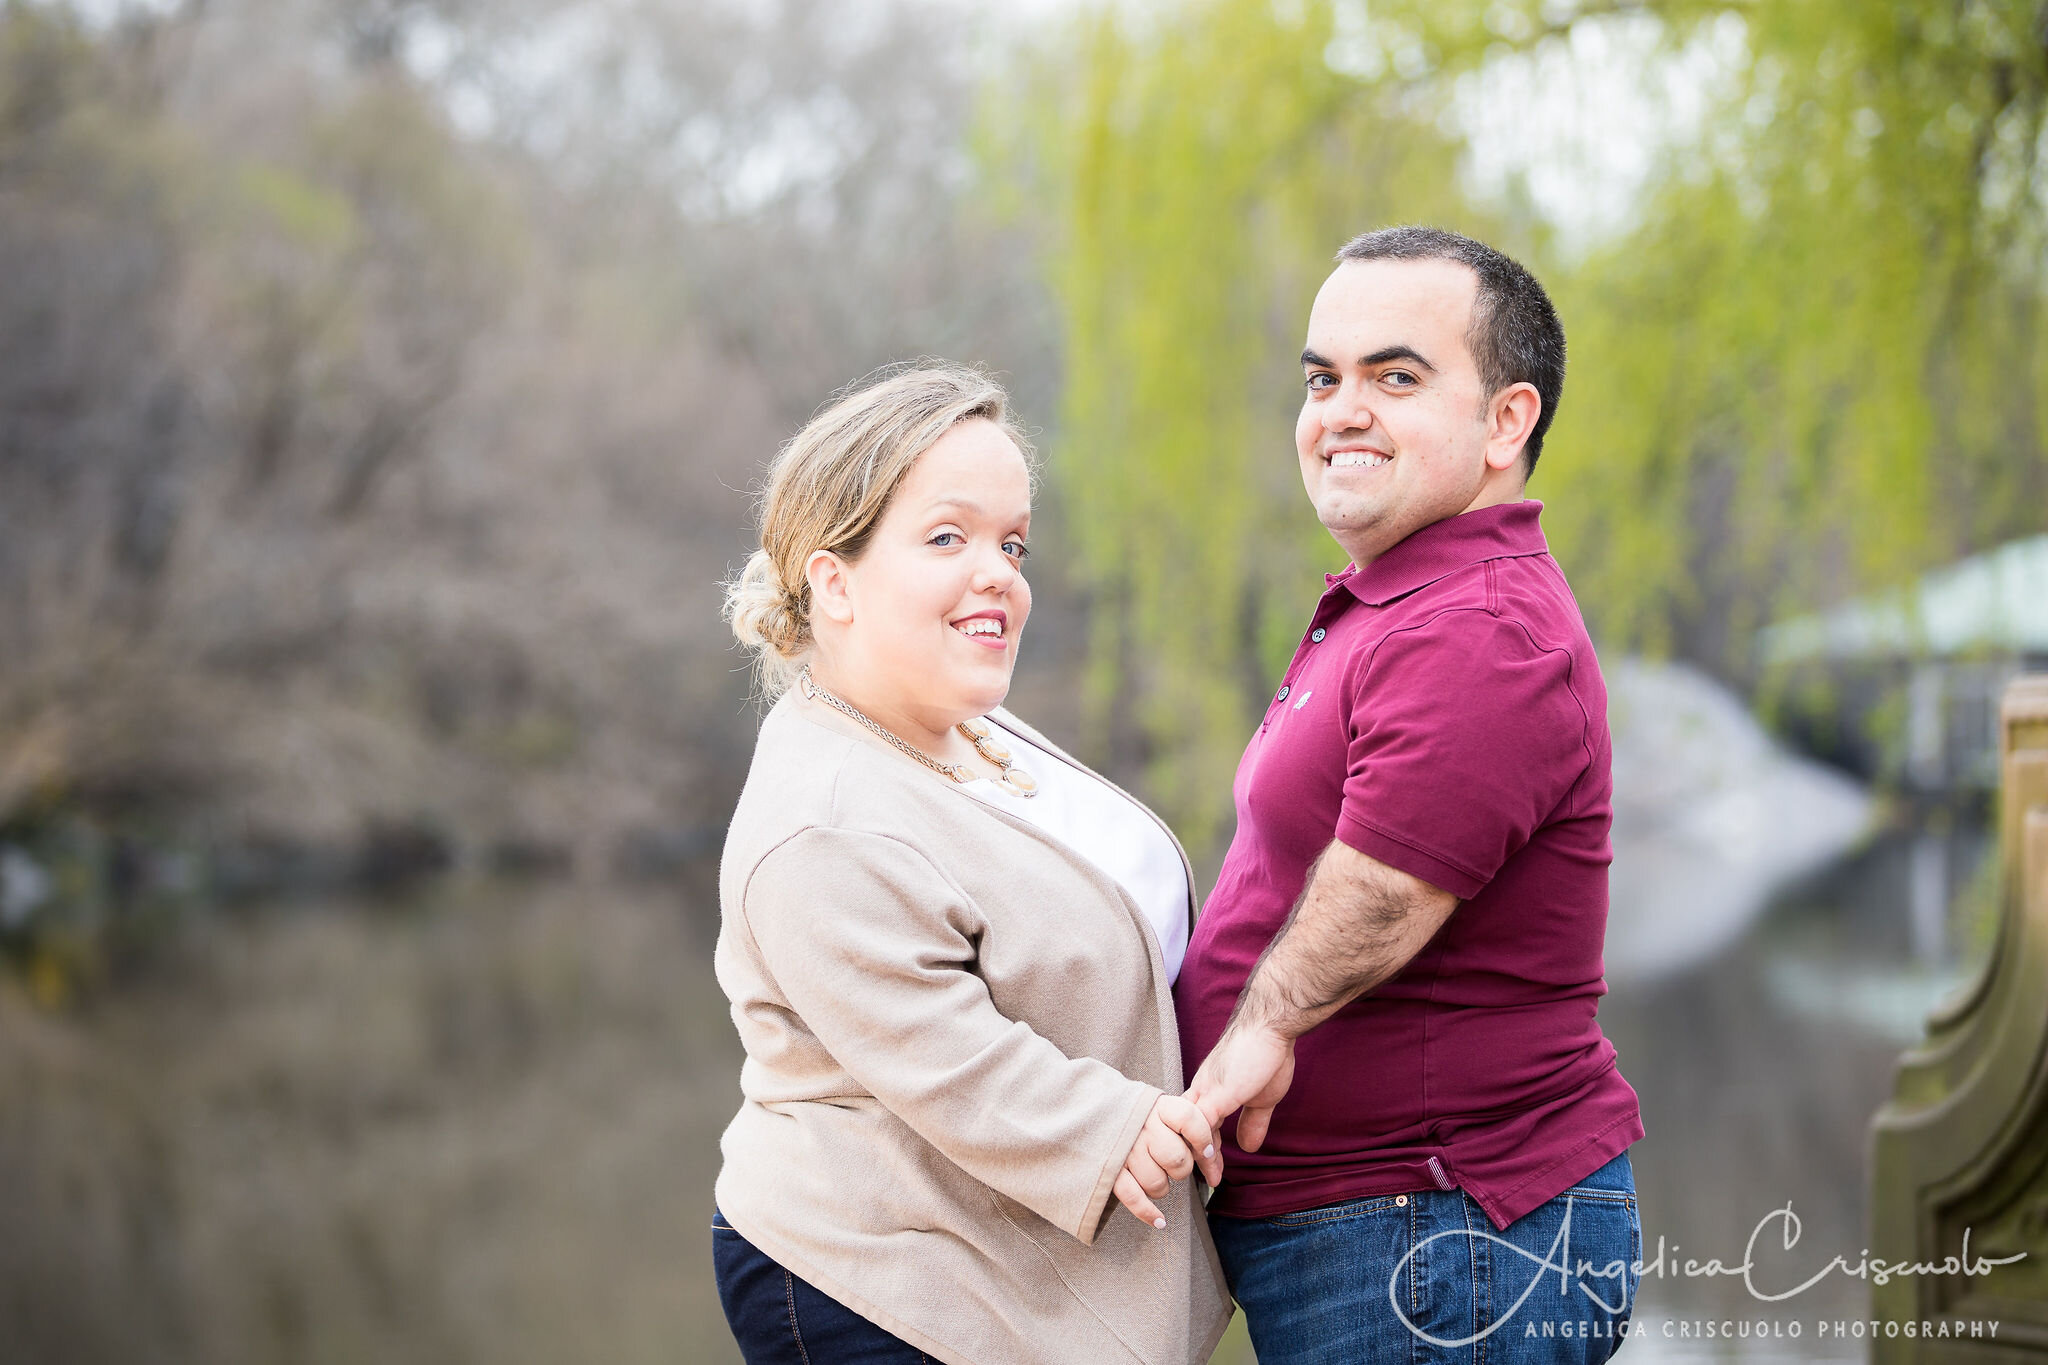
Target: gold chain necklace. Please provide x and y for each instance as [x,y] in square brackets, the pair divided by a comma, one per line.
[1011,779]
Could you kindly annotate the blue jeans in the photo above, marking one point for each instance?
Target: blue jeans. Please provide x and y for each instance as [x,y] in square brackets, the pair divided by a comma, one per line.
[779,1319]
[1426,1277]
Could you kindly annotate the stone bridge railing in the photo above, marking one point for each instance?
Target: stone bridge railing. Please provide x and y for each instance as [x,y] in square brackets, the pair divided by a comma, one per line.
[1962,1147]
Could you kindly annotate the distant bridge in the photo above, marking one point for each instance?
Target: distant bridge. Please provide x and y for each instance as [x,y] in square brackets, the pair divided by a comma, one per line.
[1925,666]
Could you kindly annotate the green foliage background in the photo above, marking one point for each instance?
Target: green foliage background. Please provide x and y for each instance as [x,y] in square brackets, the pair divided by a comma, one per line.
[1190,169]
[1806,370]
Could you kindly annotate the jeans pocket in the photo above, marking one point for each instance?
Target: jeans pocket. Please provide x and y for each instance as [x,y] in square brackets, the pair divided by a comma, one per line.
[1338,1213]
[1567,1274]
[1635,1274]
[1616,1179]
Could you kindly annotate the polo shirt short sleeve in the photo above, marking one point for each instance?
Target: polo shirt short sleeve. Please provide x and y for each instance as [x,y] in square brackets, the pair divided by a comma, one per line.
[1445,714]
[1464,738]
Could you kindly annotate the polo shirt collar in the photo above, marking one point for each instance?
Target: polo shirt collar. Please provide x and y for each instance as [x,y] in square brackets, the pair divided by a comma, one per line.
[1504,531]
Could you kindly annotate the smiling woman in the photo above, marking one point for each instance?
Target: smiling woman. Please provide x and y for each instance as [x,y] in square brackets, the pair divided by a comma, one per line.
[949,947]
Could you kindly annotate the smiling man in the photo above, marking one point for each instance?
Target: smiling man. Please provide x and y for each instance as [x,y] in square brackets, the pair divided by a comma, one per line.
[1395,981]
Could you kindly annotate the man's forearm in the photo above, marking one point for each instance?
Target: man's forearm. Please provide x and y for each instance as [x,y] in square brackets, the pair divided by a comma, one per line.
[1357,923]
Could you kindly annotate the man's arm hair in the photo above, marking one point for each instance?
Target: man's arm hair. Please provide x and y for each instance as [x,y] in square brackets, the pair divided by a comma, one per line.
[1357,923]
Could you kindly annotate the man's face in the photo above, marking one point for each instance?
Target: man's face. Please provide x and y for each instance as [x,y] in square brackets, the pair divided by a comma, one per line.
[1395,424]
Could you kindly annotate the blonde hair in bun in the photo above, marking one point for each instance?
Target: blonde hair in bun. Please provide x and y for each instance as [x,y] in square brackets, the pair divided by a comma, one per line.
[829,487]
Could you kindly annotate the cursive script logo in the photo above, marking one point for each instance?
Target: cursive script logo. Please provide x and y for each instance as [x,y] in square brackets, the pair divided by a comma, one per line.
[1558,1258]
[1864,1268]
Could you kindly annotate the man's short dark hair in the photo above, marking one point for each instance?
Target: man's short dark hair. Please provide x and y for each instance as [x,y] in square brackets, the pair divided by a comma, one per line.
[1515,336]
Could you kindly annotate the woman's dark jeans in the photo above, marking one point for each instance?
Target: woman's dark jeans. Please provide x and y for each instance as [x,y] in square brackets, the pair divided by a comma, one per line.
[779,1319]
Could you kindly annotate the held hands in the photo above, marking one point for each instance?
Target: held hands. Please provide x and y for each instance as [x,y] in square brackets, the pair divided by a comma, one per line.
[1166,1150]
[1250,1068]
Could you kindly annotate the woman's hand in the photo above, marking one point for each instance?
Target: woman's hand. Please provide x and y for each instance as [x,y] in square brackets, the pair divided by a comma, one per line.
[1166,1151]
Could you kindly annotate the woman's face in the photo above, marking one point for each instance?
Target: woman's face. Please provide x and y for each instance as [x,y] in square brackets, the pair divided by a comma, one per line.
[923,627]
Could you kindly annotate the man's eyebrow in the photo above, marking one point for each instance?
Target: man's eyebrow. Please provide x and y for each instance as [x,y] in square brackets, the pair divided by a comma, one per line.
[1310,360]
[1385,354]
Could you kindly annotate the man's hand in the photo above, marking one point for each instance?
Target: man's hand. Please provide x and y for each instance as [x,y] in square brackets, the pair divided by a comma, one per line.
[1250,1068]
[1357,923]
[1175,1139]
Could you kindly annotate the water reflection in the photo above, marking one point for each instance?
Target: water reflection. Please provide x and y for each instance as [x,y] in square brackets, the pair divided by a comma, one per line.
[1759,1071]
[484,1125]
[1711,816]
[478,1125]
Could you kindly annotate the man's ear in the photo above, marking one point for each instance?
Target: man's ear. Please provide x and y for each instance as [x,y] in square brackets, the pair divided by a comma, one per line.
[831,586]
[1511,421]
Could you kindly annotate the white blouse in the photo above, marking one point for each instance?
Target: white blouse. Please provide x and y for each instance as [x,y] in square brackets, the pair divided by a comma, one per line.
[1111,831]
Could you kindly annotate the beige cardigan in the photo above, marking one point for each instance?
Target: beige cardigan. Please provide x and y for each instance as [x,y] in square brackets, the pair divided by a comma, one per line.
[955,1027]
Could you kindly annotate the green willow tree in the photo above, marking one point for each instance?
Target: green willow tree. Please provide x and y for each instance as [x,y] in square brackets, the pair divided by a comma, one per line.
[1812,369]
[1807,368]
[1201,172]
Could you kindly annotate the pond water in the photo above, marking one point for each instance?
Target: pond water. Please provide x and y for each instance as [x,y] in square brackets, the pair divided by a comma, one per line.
[481,1123]
[1759,1071]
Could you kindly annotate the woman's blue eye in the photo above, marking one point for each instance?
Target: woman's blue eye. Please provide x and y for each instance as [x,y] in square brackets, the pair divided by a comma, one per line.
[944,537]
[1016,549]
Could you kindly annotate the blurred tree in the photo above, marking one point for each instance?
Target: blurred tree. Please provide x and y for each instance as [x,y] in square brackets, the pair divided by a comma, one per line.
[381,382]
[207,336]
[1812,367]
[1199,169]
[1805,366]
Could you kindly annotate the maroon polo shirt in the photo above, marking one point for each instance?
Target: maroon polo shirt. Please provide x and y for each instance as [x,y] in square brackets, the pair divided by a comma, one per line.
[1444,714]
